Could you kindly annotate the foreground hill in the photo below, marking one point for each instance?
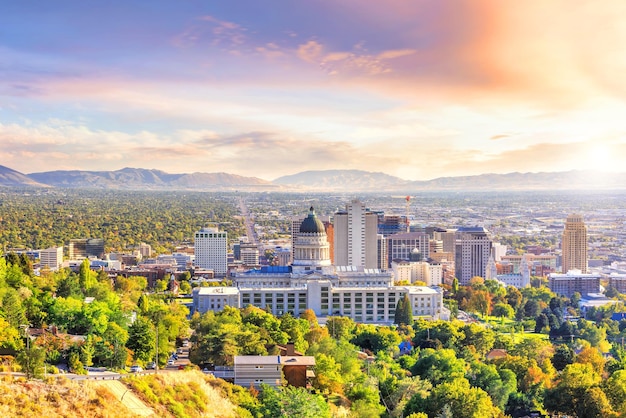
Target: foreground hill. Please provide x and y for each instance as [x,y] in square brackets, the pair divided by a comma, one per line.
[58,398]
[167,395]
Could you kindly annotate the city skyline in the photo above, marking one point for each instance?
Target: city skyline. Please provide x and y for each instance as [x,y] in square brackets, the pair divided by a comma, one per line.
[415,89]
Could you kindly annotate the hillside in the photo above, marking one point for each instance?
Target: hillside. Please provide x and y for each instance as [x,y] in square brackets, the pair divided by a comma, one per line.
[137,178]
[12,178]
[569,180]
[364,181]
[58,398]
[167,395]
[342,180]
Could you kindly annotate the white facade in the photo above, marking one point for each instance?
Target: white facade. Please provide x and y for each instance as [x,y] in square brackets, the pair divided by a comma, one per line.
[215,298]
[368,304]
[418,271]
[355,236]
[211,250]
[499,251]
[51,257]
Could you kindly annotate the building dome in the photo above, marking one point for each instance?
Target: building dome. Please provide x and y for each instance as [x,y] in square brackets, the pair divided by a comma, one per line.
[311,224]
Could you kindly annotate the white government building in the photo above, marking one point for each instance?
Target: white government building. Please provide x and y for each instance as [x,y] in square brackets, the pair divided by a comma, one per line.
[311,282]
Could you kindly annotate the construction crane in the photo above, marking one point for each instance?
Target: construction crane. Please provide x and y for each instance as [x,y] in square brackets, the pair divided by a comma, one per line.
[408,204]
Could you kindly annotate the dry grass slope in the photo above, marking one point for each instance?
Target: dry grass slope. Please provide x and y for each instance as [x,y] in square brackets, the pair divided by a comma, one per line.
[57,398]
[182,395]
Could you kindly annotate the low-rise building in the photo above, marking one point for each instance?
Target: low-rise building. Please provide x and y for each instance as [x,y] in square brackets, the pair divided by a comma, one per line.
[574,281]
[215,298]
[273,370]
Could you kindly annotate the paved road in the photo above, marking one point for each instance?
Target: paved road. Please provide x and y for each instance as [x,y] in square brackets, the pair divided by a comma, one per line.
[248,221]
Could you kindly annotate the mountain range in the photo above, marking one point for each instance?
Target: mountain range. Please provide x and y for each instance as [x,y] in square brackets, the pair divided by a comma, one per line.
[326,180]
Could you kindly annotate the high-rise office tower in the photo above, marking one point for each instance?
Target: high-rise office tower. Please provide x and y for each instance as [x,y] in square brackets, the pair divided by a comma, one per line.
[210,249]
[355,236]
[383,256]
[574,245]
[473,249]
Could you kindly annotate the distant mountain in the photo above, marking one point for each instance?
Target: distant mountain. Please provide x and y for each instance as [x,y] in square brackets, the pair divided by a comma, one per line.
[343,180]
[568,180]
[137,178]
[356,180]
[12,178]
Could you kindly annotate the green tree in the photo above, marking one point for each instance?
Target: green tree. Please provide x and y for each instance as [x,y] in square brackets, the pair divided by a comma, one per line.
[404,311]
[365,400]
[9,336]
[457,396]
[87,351]
[481,338]
[446,333]
[86,277]
[296,329]
[75,365]
[141,339]
[31,359]
[14,311]
[69,286]
[499,385]
[563,355]
[340,327]
[568,396]
[503,310]
[292,402]
[455,286]
[615,389]
[480,302]
[439,366]
[541,323]
[514,297]
[373,338]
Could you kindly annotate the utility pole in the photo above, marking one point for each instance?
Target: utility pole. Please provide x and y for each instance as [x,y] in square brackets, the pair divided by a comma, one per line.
[157,318]
[156,362]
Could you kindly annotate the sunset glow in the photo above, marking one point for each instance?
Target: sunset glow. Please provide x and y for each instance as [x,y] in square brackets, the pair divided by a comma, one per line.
[413,88]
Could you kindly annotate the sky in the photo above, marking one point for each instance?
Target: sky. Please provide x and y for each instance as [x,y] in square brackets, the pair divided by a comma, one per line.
[418,89]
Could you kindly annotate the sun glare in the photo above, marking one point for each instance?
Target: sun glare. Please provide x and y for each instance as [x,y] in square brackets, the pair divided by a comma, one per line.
[599,157]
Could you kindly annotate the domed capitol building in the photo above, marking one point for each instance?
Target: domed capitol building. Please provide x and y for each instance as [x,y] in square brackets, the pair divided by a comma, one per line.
[312,282]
